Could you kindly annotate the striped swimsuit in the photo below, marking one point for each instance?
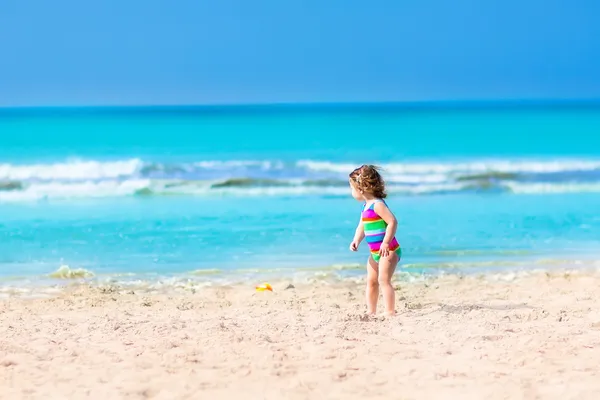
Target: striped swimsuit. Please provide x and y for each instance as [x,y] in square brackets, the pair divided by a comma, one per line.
[375,228]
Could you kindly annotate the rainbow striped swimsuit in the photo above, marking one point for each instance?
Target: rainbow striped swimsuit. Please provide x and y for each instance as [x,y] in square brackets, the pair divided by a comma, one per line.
[375,228]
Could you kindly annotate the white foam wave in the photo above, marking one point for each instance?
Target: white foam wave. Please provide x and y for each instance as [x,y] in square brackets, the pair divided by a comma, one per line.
[114,188]
[550,188]
[415,179]
[72,170]
[410,172]
[93,179]
[266,165]
[316,190]
[66,272]
[105,189]
[88,189]
[448,168]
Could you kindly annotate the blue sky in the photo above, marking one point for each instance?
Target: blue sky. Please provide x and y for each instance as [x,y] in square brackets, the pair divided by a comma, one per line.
[111,52]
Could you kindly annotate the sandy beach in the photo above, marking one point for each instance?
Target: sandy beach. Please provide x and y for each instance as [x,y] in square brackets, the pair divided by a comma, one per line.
[534,337]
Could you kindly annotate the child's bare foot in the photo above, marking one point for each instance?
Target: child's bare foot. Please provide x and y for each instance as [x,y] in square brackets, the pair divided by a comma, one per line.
[366,317]
[391,313]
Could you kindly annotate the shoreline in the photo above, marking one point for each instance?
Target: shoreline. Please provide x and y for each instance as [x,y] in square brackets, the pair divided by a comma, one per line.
[66,280]
[532,337]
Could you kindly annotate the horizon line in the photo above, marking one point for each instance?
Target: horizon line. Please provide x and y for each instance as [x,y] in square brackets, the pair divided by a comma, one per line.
[420,104]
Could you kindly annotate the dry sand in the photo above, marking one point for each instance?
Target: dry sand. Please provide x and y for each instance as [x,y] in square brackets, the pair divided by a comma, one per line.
[536,337]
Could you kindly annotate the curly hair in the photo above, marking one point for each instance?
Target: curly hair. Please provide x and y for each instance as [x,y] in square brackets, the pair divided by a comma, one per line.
[367,179]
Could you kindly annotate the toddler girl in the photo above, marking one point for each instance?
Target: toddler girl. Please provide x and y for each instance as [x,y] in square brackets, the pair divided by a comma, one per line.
[378,225]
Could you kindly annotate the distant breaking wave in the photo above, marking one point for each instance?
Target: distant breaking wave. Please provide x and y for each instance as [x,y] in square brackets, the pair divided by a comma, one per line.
[135,177]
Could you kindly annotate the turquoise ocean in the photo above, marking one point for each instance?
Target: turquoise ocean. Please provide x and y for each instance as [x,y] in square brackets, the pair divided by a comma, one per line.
[190,196]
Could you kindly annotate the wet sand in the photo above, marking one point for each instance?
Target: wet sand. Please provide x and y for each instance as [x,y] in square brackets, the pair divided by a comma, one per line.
[535,337]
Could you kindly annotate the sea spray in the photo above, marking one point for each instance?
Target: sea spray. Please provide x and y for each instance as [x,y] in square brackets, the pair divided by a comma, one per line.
[66,272]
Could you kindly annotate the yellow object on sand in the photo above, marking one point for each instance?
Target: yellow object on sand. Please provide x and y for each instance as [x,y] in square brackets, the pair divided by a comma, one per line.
[263,287]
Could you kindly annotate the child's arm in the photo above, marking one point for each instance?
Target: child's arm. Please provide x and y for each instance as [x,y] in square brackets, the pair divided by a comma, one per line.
[392,224]
[359,234]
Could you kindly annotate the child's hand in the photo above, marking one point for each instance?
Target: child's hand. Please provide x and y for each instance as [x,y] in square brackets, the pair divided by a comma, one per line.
[384,250]
[354,245]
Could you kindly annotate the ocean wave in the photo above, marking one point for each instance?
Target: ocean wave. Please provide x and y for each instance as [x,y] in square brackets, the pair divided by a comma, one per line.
[406,171]
[548,188]
[473,167]
[10,185]
[66,272]
[148,188]
[71,170]
[66,190]
[487,176]
[135,177]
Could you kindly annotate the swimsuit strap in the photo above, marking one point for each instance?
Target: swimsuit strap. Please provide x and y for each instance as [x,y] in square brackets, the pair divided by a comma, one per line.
[376,201]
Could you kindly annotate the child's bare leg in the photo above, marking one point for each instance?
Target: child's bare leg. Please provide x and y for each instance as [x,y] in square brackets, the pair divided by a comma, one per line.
[372,286]
[387,266]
